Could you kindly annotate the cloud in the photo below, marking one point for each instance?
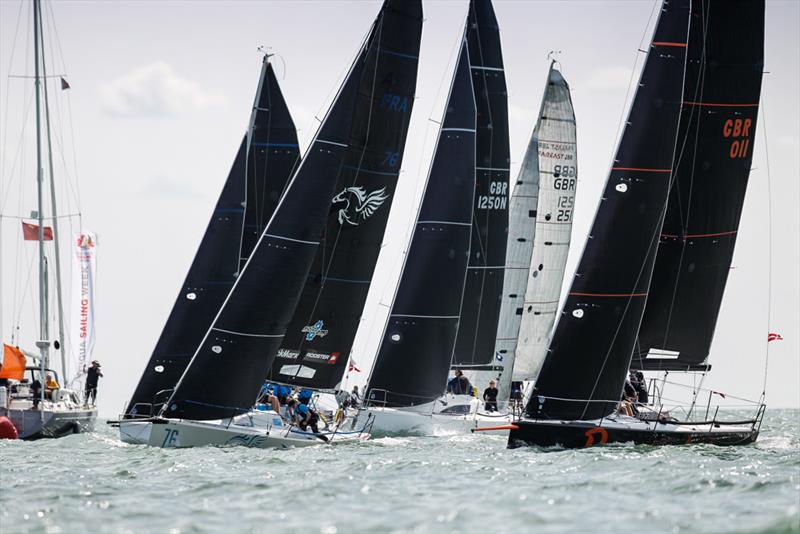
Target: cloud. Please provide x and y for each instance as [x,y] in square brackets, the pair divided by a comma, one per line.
[608,78]
[155,90]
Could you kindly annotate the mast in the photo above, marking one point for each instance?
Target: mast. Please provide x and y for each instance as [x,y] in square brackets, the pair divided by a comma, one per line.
[42,343]
[53,206]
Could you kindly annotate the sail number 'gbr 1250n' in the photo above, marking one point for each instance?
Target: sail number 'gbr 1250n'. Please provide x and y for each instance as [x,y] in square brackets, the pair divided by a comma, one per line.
[497,199]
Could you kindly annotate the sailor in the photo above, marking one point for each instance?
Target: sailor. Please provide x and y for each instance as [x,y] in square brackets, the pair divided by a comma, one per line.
[306,417]
[36,393]
[93,375]
[266,397]
[459,384]
[490,396]
[640,385]
[355,397]
[50,385]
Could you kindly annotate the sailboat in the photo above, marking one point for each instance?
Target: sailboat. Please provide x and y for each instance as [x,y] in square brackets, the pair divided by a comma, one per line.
[38,406]
[211,403]
[649,284]
[267,156]
[465,195]
[541,214]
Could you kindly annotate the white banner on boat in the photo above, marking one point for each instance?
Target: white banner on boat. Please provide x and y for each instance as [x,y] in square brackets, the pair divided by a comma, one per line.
[83,300]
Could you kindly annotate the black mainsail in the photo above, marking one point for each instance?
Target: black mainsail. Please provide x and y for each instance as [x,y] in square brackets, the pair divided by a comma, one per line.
[480,311]
[585,368]
[711,170]
[229,367]
[414,357]
[319,338]
[267,155]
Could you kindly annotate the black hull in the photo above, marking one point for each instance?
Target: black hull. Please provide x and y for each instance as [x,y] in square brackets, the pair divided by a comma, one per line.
[574,435]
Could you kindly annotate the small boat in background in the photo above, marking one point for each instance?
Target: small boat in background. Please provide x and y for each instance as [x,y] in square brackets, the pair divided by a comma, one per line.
[39,401]
[649,285]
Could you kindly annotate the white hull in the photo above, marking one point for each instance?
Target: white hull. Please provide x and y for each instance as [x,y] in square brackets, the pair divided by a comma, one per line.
[460,415]
[256,429]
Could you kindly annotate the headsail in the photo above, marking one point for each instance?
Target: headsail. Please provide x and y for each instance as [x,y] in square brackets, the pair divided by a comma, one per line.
[414,357]
[583,373]
[229,366]
[319,338]
[712,166]
[484,284]
[541,214]
[263,164]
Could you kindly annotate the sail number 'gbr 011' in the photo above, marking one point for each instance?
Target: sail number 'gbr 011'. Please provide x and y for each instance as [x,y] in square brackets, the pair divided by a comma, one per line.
[497,199]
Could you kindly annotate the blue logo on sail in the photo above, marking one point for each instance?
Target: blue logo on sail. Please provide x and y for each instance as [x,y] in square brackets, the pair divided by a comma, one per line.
[315,330]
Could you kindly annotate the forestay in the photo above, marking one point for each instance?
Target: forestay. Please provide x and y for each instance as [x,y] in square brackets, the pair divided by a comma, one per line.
[712,166]
[233,359]
[414,356]
[585,367]
[265,159]
[320,336]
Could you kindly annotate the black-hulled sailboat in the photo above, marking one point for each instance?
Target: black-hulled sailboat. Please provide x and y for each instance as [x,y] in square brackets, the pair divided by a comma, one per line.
[664,229]
[211,403]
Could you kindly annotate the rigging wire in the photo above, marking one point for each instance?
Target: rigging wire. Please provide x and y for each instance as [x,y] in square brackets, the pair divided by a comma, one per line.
[769,246]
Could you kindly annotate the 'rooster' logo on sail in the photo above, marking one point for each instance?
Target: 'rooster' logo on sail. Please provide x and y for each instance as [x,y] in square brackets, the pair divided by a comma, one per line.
[363,206]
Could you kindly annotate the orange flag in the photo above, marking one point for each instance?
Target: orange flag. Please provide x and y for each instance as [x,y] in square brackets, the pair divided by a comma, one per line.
[13,363]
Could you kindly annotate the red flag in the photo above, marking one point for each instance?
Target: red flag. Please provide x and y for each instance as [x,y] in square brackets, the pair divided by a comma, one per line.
[718,393]
[772,336]
[30,232]
[64,84]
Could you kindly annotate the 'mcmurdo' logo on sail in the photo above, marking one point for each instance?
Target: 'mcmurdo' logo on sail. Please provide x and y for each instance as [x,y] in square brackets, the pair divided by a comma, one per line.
[360,205]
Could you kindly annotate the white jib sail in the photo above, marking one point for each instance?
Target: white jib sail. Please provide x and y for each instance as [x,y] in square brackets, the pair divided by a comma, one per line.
[82,321]
[558,177]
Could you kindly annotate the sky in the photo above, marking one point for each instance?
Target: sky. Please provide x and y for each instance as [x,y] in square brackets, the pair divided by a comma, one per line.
[161,94]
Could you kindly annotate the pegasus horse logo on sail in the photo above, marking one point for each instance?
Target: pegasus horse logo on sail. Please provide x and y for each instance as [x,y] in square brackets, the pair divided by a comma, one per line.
[364,206]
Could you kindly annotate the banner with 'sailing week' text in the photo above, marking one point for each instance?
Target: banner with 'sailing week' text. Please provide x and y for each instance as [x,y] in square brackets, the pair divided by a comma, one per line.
[82,323]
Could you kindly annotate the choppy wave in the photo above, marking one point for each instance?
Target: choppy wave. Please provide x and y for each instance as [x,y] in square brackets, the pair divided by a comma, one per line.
[466,483]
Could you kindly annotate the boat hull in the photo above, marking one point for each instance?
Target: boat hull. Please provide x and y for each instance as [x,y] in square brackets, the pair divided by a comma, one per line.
[580,434]
[431,419]
[38,424]
[171,433]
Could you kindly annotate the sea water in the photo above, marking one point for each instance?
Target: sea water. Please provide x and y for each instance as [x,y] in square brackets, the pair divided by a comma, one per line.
[459,483]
